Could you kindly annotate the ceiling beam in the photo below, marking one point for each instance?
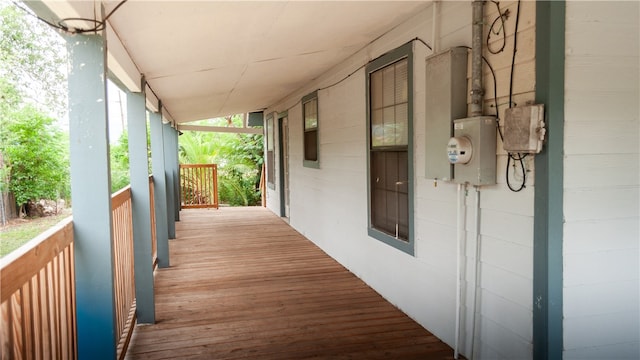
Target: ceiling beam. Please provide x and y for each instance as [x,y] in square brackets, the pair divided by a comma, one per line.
[221,129]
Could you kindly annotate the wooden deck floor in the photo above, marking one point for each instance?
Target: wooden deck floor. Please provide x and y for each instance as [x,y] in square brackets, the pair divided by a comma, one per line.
[244,285]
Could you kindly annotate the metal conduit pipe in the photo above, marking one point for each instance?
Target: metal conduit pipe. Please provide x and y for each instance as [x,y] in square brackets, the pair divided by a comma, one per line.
[477,91]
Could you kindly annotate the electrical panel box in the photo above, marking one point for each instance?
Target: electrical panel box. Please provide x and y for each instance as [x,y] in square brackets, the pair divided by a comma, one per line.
[446,100]
[481,133]
[524,129]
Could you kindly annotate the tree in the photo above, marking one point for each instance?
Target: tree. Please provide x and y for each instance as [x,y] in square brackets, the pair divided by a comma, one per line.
[33,151]
[35,156]
[33,58]
[119,157]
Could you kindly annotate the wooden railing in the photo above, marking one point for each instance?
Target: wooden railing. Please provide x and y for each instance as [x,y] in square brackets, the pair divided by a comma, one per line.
[123,277]
[38,297]
[199,186]
[38,304]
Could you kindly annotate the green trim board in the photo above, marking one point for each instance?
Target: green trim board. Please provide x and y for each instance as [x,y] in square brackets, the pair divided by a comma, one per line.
[403,52]
[548,198]
[313,130]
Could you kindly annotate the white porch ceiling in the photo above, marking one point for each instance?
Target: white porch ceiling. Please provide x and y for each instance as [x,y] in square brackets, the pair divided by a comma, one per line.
[206,59]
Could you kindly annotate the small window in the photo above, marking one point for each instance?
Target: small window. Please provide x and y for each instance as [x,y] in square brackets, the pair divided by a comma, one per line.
[271,162]
[310,128]
[389,99]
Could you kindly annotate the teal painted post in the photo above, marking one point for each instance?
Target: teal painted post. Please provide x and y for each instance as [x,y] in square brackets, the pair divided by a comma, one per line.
[168,171]
[140,206]
[91,193]
[176,174]
[548,199]
[160,188]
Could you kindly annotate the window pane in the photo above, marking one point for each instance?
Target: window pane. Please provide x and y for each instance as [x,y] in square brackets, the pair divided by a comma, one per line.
[311,145]
[271,163]
[389,195]
[388,86]
[401,82]
[376,90]
[389,134]
[402,124]
[377,129]
[270,134]
[311,114]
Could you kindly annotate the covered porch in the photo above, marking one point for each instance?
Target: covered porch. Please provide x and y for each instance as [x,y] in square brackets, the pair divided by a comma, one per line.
[243,284]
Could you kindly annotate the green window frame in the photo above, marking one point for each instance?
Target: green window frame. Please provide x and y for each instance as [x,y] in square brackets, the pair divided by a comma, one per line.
[389,88]
[310,143]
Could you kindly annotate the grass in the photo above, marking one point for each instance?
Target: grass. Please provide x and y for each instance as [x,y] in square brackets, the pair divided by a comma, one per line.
[19,231]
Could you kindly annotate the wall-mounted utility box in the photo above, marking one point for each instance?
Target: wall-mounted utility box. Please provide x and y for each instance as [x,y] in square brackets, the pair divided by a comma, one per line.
[481,169]
[446,100]
[524,129]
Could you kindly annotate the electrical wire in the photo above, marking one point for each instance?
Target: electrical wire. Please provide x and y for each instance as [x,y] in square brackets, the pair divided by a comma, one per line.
[99,25]
[510,156]
[424,42]
[502,17]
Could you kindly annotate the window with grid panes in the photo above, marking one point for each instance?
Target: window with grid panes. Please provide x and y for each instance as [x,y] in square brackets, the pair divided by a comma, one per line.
[271,160]
[310,128]
[390,127]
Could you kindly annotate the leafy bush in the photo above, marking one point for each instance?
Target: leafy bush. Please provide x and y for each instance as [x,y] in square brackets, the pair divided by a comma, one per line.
[35,154]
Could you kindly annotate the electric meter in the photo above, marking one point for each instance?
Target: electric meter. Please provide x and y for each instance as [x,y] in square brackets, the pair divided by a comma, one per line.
[459,150]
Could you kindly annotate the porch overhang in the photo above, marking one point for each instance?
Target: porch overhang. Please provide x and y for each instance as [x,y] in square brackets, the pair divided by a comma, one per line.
[204,59]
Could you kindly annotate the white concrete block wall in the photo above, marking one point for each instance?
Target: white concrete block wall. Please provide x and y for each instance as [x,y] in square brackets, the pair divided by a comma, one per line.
[602,181]
[329,205]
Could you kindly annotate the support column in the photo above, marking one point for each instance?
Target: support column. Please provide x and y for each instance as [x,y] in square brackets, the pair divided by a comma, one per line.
[167,133]
[160,187]
[140,204]
[548,222]
[176,173]
[91,193]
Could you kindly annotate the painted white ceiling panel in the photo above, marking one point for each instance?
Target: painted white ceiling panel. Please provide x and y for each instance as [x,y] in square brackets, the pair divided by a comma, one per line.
[213,58]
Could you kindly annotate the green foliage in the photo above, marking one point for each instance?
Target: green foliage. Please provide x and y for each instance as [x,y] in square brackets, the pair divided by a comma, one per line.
[33,59]
[119,154]
[239,159]
[35,154]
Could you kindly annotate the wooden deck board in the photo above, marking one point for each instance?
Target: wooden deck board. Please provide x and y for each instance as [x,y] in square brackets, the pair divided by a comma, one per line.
[244,285]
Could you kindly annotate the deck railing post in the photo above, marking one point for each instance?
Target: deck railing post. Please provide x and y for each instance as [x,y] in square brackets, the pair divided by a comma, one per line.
[91,193]
[160,188]
[141,212]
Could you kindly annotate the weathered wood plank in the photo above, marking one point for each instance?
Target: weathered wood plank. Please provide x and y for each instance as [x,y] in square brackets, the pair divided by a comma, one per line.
[245,285]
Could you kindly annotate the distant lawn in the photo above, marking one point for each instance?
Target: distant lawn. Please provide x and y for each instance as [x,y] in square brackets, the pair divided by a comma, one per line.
[19,231]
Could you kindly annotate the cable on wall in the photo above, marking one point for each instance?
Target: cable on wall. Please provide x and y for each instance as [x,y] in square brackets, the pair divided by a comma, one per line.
[502,16]
[517,158]
[363,66]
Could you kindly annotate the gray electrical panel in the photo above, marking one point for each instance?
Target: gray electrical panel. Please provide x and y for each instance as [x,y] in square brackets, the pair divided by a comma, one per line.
[446,100]
[481,169]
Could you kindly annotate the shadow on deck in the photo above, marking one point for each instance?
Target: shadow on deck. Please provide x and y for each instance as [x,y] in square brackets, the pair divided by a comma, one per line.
[244,285]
